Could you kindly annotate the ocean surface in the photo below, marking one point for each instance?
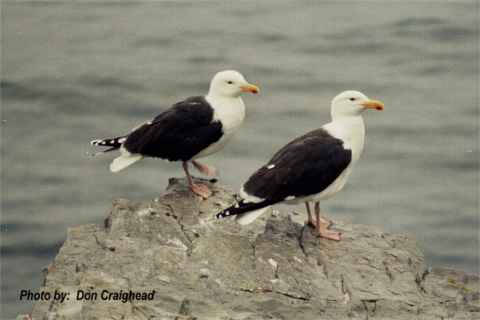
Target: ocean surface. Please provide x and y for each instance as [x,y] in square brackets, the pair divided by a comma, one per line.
[72,72]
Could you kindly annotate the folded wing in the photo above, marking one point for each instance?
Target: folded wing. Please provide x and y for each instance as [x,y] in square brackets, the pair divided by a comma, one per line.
[179,133]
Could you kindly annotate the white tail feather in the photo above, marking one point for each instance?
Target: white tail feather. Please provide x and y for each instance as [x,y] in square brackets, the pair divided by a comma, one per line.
[249,217]
[124,161]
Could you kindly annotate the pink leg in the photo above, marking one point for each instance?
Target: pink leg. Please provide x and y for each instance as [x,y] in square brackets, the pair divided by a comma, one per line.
[203,168]
[310,221]
[197,188]
[326,222]
[322,229]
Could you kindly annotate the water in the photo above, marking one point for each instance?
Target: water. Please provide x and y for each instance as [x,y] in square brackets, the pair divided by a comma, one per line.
[73,72]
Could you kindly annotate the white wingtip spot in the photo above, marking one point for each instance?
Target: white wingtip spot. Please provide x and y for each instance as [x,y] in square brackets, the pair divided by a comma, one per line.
[122,140]
[271,166]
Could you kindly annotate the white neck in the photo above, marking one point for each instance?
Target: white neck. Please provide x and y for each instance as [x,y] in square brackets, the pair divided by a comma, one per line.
[228,110]
[350,129]
[218,97]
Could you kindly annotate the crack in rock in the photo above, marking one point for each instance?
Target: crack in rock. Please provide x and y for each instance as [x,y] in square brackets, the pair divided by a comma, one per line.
[300,242]
[293,296]
[254,252]
[365,304]
[275,267]
[345,291]
[267,290]
[420,279]
[190,244]
[388,271]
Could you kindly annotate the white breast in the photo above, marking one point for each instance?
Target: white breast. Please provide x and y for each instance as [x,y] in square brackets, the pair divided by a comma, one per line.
[351,130]
[337,185]
[231,113]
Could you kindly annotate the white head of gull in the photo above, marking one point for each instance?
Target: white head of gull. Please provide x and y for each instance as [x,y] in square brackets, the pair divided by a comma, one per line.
[230,83]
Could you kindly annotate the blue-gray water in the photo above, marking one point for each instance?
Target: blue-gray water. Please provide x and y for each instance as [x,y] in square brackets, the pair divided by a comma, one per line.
[73,72]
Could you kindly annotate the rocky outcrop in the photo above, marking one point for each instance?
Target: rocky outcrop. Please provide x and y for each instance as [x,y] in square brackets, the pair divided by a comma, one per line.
[200,268]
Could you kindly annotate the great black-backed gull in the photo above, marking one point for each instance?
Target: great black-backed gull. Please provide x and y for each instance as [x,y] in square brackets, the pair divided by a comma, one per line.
[312,167]
[193,128]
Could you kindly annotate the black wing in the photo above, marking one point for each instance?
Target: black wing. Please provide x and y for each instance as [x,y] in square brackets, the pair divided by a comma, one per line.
[179,133]
[306,166]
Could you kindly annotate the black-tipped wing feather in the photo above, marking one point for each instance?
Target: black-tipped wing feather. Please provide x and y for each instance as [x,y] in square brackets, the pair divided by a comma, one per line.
[243,206]
[179,133]
[304,167]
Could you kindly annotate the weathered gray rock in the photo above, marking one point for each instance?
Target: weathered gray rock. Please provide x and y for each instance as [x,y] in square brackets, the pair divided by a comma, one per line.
[273,269]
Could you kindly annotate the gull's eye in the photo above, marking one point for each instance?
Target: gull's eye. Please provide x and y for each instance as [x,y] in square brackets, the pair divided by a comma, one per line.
[352,99]
[230,82]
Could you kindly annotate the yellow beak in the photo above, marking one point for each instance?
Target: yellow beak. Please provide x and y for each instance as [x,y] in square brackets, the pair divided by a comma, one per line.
[250,88]
[373,104]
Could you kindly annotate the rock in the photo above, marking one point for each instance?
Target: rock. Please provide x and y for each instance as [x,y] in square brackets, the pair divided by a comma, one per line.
[204,273]
[200,268]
